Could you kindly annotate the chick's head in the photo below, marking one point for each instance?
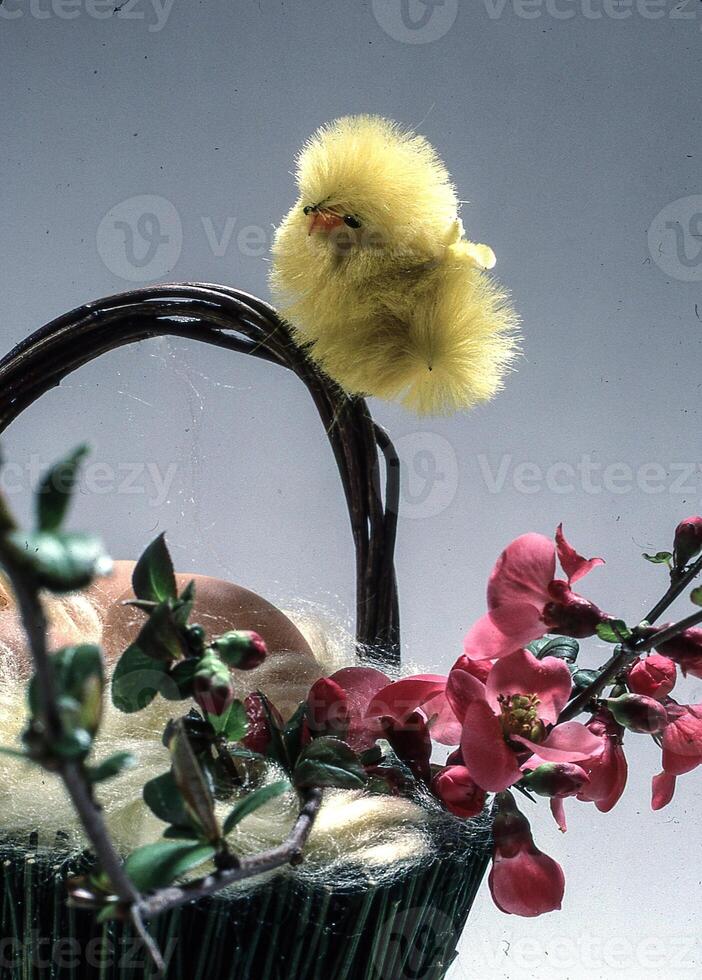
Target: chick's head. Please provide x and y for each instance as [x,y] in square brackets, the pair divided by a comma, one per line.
[367,185]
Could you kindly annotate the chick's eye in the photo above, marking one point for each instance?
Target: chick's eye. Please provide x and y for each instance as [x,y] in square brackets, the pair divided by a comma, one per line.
[308,209]
[351,221]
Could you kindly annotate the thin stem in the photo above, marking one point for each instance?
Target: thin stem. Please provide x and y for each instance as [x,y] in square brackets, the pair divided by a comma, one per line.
[676,587]
[286,853]
[622,657]
[617,662]
[669,632]
[72,773]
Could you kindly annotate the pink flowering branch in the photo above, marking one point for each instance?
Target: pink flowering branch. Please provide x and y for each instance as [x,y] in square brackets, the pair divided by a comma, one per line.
[629,651]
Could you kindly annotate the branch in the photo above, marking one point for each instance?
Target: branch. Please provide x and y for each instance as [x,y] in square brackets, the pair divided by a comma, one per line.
[669,632]
[623,656]
[676,587]
[72,773]
[289,852]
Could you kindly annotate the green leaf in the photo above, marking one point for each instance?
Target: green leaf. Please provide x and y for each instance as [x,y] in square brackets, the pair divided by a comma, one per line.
[372,756]
[157,865]
[163,798]
[55,490]
[329,762]
[183,607]
[80,679]
[276,748]
[153,577]
[181,675]
[696,595]
[584,678]
[193,784]
[563,647]
[111,767]
[252,801]
[233,724]
[293,733]
[61,562]
[160,637]
[137,680]
[180,833]
[660,558]
[614,631]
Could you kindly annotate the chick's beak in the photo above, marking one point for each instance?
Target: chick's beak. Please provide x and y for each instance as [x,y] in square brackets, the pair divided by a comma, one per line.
[326,221]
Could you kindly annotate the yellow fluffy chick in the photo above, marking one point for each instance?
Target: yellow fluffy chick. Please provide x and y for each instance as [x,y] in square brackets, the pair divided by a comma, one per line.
[371,269]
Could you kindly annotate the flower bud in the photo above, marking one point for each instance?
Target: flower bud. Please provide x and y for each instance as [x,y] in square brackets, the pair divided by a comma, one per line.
[688,541]
[241,649]
[570,614]
[638,713]
[328,708]
[459,792]
[411,742]
[258,735]
[557,779]
[653,676]
[212,685]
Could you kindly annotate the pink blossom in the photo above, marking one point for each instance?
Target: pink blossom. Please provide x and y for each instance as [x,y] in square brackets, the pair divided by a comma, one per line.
[662,790]
[686,650]
[526,601]
[328,708]
[607,771]
[509,724]
[422,691]
[682,749]
[523,880]
[356,687]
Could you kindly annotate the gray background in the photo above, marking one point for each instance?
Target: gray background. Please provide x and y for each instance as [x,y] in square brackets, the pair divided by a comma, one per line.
[569,127]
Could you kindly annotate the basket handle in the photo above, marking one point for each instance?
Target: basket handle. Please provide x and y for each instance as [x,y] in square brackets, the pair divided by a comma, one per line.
[234,320]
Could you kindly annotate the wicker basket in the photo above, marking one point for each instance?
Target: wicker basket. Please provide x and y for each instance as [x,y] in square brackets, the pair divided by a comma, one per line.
[285,927]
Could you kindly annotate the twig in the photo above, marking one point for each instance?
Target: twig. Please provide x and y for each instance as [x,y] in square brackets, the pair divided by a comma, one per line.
[677,586]
[669,632]
[625,654]
[72,773]
[286,853]
[617,662]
